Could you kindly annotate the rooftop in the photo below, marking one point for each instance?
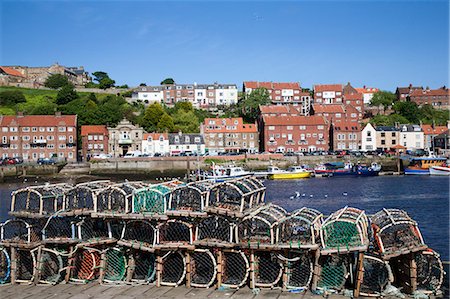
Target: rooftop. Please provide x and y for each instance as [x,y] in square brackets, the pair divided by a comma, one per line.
[327,87]
[97,129]
[294,120]
[430,130]
[38,120]
[272,85]
[11,71]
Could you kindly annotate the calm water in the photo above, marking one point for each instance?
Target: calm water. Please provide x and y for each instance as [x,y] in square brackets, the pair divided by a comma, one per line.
[426,199]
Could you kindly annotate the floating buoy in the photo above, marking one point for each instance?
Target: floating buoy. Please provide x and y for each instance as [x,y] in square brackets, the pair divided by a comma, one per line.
[292,197]
[303,194]
[297,194]
[326,195]
[311,195]
[345,194]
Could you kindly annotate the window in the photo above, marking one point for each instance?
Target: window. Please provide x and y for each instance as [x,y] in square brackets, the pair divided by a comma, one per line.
[4,129]
[61,129]
[70,139]
[320,127]
[302,127]
[393,134]
[383,142]
[369,134]
[383,134]
[62,137]
[290,128]
[251,136]
[100,137]
[13,129]
[26,129]
[34,129]
[244,136]
[271,128]
[197,140]
[90,137]
[393,142]
[41,129]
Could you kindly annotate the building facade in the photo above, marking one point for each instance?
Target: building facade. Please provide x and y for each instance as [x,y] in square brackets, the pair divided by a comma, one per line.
[155,143]
[367,93]
[438,98]
[412,137]
[368,138]
[94,141]
[403,93]
[189,144]
[282,93]
[430,132]
[386,137]
[39,136]
[229,135]
[294,134]
[328,94]
[124,138]
[442,144]
[346,136]
[10,76]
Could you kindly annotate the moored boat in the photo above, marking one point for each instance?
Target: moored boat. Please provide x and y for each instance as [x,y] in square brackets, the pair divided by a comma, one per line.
[293,172]
[340,169]
[443,170]
[422,165]
[220,173]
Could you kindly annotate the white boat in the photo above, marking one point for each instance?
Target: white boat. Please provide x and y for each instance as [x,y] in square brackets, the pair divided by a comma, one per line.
[270,170]
[221,173]
[440,170]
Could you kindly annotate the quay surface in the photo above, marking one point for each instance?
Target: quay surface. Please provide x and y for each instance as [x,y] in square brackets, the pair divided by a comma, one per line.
[97,291]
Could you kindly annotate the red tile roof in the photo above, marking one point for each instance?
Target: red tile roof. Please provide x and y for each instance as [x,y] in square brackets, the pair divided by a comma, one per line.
[98,129]
[294,120]
[347,126]
[280,109]
[272,85]
[429,130]
[11,71]
[367,90]
[38,120]
[155,136]
[353,96]
[351,109]
[330,108]
[219,125]
[327,87]
[429,92]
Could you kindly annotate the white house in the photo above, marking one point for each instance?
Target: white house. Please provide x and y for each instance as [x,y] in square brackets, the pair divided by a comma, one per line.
[412,137]
[368,138]
[153,143]
[148,94]
[180,143]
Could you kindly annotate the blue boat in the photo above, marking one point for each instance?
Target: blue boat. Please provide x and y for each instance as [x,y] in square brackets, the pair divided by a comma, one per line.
[347,169]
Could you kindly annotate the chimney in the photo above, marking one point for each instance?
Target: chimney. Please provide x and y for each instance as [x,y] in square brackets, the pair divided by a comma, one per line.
[364,87]
[410,85]
[58,113]
[20,114]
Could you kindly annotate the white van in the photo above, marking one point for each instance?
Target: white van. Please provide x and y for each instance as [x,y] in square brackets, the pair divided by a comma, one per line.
[133,154]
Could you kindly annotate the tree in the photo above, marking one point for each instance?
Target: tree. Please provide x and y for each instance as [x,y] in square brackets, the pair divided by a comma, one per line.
[142,84]
[125,86]
[93,97]
[383,98]
[388,120]
[186,121]
[168,81]
[98,76]
[186,106]
[409,110]
[66,94]
[165,123]
[56,81]
[152,116]
[250,103]
[11,97]
[104,81]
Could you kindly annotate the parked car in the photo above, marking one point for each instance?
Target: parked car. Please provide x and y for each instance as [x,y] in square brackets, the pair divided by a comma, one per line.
[8,161]
[46,161]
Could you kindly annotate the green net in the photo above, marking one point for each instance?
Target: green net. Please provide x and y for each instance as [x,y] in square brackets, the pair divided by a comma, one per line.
[115,265]
[151,200]
[341,234]
[333,273]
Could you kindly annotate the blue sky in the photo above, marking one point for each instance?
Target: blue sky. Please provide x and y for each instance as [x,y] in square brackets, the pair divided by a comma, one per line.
[374,43]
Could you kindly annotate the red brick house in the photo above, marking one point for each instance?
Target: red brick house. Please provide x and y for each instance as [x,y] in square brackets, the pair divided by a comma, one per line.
[328,94]
[39,136]
[94,141]
[403,93]
[346,135]
[438,98]
[294,133]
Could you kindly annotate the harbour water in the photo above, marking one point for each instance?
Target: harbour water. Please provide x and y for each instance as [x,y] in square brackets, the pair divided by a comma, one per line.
[425,198]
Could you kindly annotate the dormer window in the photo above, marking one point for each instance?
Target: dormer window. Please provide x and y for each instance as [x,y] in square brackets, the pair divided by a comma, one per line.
[187,139]
[161,138]
[149,139]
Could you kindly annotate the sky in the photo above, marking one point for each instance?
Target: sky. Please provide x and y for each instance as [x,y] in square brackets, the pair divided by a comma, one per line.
[381,44]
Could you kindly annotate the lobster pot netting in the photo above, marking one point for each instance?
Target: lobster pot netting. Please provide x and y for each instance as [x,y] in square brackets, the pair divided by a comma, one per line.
[86,265]
[173,268]
[203,268]
[51,265]
[25,265]
[140,232]
[142,266]
[42,200]
[334,271]
[115,265]
[430,272]
[174,231]
[299,270]
[344,229]
[82,197]
[94,229]
[299,229]
[59,228]
[117,198]
[395,232]
[235,269]
[190,197]
[20,231]
[215,228]
[267,269]
[376,276]
[153,200]
[5,265]
[260,225]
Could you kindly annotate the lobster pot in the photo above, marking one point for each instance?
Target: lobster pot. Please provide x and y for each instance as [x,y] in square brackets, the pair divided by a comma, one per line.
[26,265]
[174,232]
[298,268]
[235,196]
[267,270]
[333,272]
[82,197]
[345,230]
[203,268]
[215,229]
[235,269]
[116,199]
[94,230]
[51,265]
[430,272]
[59,229]
[300,229]
[259,226]
[38,200]
[190,198]
[396,233]
[153,200]
[376,276]
[139,234]
[115,265]
[173,269]
[5,265]
[85,265]
[142,267]
[19,231]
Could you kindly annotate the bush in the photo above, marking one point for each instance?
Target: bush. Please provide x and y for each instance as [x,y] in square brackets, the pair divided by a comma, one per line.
[56,81]
[11,97]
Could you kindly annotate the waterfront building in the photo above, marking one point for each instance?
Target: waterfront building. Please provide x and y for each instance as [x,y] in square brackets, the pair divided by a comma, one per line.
[155,143]
[411,136]
[39,136]
[294,134]
[346,135]
[438,98]
[386,137]
[124,138]
[442,144]
[328,94]
[94,141]
[403,93]
[229,135]
[189,144]
[368,138]
[335,113]
[204,96]
[283,93]
[430,132]
[367,93]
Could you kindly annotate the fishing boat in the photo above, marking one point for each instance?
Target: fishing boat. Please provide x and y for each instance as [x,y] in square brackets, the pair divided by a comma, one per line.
[293,172]
[221,173]
[422,165]
[440,170]
[270,170]
[347,169]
